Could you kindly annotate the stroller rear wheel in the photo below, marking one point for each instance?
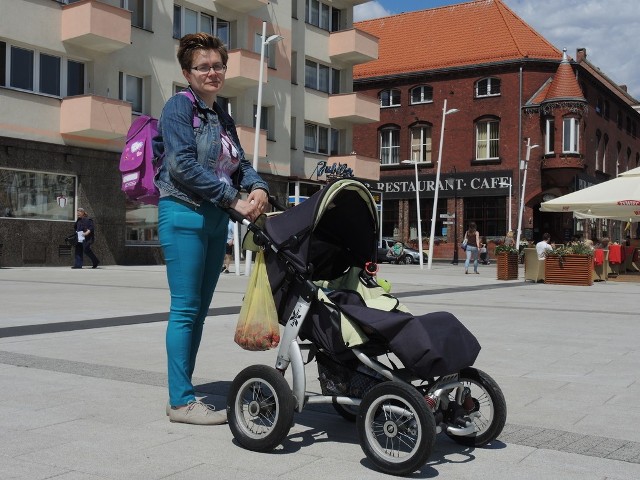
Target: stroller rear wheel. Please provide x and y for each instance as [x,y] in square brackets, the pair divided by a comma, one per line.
[260,408]
[489,405]
[397,431]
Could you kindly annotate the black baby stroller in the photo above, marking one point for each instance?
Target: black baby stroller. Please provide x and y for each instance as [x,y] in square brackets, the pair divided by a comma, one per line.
[320,258]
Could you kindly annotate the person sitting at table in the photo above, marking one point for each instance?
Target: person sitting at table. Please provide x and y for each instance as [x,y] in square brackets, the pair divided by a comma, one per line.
[543,245]
[590,244]
[603,243]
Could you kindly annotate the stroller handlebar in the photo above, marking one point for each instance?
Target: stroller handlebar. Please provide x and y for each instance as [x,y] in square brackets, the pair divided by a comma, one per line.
[259,236]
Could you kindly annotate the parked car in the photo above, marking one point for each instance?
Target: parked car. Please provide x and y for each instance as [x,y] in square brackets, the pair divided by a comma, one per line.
[408,255]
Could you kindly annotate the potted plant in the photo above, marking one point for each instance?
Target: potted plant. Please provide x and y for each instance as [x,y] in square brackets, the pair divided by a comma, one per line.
[571,264]
[507,262]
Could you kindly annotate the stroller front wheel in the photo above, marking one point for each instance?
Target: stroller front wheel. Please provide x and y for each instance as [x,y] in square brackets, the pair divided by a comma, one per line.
[260,408]
[397,430]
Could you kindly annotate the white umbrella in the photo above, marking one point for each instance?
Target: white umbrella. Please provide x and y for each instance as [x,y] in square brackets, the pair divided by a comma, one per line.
[618,199]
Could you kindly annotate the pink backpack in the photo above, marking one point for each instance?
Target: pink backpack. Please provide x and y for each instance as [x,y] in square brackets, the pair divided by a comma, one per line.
[137,163]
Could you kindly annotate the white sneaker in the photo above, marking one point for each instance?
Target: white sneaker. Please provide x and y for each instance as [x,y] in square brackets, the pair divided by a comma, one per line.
[197,413]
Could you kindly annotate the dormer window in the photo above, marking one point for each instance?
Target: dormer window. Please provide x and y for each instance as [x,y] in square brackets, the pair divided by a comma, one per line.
[422,94]
[488,87]
[390,98]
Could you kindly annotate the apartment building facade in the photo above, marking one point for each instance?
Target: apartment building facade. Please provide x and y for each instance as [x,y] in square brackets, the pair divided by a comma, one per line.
[75,74]
[507,84]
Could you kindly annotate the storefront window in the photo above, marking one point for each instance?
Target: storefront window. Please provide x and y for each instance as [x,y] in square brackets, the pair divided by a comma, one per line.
[488,213]
[37,195]
[141,224]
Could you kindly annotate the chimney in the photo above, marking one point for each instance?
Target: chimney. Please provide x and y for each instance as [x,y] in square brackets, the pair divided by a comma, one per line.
[581,54]
[623,87]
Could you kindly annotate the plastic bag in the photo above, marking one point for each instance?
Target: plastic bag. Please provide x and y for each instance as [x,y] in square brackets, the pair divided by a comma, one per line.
[258,327]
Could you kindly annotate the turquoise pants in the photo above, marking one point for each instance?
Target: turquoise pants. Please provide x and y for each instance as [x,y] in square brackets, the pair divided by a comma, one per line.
[193,242]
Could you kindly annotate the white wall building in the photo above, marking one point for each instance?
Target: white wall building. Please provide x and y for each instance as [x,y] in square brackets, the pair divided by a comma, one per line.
[73,74]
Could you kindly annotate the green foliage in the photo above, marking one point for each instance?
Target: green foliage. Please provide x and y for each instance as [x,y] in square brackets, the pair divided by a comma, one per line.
[506,249]
[577,248]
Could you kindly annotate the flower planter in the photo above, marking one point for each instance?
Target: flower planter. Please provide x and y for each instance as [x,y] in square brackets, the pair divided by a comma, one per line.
[568,269]
[507,266]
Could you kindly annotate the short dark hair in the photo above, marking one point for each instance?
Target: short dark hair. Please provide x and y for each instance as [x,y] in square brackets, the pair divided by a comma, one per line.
[192,42]
[546,236]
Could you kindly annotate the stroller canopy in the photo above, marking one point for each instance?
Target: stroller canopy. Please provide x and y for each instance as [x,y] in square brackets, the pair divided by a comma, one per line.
[334,229]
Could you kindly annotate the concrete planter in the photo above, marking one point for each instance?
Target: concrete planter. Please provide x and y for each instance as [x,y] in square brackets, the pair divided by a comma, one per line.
[507,266]
[569,269]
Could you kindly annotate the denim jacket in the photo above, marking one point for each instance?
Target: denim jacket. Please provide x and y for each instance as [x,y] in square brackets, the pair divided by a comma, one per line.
[189,154]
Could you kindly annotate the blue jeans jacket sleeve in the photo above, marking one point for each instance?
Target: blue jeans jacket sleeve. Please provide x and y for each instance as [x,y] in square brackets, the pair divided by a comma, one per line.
[189,154]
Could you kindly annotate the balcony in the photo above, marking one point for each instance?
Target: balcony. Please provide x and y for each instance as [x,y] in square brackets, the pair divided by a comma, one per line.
[243,71]
[366,168]
[242,5]
[247,138]
[90,116]
[354,108]
[96,26]
[352,47]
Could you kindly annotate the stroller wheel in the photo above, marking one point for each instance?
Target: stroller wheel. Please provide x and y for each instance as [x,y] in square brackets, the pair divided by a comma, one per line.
[397,430]
[489,406]
[260,408]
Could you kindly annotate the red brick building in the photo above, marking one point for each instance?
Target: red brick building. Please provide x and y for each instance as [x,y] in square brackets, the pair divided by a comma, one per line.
[509,84]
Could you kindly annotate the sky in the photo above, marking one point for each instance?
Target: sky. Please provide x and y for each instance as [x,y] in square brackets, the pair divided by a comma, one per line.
[608,29]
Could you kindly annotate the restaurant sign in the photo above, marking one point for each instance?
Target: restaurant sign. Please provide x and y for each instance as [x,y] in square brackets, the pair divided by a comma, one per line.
[481,184]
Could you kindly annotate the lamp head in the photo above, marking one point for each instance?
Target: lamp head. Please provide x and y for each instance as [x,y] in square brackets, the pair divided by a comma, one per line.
[273,38]
[451,110]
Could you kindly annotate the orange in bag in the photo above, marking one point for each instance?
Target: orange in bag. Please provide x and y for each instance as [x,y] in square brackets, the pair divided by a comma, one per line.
[258,327]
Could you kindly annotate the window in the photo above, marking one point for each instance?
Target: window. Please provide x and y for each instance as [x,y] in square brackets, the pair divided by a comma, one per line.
[138,14]
[549,136]
[487,139]
[335,142]
[40,72]
[41,195]
[269,51]
[390,98]
[321,77]
[619,119]
[629,125]
[225,104]
[322,15]
[605,146]
[21,75]
[389,146]
[597,152]
[599,106]
[606,110]
[316,139]
[628,163]
[131,91]
[488,213]
[488,87]
[618,157]
[75,78]
[422,94]
[570,135]
[186,21]
[421,143]
[267,120]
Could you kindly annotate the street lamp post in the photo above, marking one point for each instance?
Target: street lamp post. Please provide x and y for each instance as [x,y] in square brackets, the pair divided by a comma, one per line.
[523,166]
[455,219]
[502,185]
[415,163]
[445,112]
[256,141]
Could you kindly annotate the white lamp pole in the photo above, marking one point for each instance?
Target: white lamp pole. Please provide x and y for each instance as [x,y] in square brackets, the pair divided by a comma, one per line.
[445,112]
[523,166]
[256,141]
[502,185]
[415,163]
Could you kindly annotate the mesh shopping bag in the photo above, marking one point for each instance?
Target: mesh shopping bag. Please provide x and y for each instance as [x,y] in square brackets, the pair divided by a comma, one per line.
[258,327]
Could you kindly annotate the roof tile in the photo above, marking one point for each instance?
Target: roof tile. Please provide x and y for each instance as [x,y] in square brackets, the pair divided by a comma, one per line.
[472,33]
